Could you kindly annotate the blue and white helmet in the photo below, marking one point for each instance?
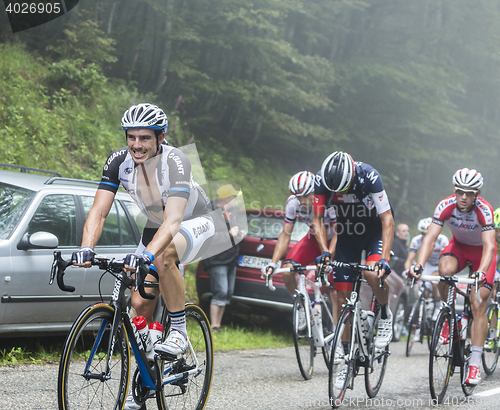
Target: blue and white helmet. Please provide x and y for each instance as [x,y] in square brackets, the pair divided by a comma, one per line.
[145,116]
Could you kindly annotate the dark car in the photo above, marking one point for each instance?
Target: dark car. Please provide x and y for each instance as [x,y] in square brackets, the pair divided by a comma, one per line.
[256,250]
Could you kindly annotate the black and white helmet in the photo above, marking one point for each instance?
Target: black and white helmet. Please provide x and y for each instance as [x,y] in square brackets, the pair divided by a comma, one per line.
[424,224]
[337,171]
[468,178]
[145,116]
[302,183]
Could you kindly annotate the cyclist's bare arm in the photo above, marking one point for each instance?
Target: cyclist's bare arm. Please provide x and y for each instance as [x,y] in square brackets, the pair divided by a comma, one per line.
[96,218]
[174,212]
[489,240]
[320,231]
[387,233]
[283,242]
[428,243]
[410,259]
[333,242]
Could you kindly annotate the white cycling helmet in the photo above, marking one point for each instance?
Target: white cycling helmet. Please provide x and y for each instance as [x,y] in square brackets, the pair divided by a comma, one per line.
[424,224]
[302,183]
[469,179]
[145,116]
[337,171]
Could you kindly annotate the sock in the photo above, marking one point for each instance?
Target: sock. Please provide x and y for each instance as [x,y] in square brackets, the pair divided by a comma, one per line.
[475,357]
[384,311]
[178,322]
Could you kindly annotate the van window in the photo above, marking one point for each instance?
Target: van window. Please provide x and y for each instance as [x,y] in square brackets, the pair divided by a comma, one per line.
[56,214]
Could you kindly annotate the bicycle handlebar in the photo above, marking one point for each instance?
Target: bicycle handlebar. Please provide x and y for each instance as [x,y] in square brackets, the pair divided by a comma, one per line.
[59,266]
[475,282]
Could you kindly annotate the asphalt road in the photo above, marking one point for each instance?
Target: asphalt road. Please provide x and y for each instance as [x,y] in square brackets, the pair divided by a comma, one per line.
[270,379]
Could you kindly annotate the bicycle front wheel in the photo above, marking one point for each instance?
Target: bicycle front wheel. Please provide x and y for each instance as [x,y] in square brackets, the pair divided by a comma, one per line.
[375,371]
[327,322]
[304,345]
[491,350]
[190,390]
[441,356]
[83,382]
[466,351]
[341,365]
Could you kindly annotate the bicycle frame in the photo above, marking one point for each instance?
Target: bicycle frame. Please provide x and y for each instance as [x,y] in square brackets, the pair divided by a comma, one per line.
[314,329]
[149,370]
[357,332]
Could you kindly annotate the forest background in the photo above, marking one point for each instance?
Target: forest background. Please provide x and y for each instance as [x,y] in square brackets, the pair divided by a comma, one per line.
[265,89]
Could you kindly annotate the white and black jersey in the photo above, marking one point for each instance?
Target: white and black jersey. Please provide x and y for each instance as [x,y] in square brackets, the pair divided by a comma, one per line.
[168,174]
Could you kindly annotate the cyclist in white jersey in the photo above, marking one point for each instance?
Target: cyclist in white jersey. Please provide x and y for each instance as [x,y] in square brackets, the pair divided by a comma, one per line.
[431,266]
[300,205]
[179,227]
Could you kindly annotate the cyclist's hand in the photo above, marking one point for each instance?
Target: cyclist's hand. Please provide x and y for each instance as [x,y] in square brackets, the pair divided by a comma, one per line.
[382,268]
[83,257]
[131,260]
[268,269]
[323,259]
[415,271]
[481,277]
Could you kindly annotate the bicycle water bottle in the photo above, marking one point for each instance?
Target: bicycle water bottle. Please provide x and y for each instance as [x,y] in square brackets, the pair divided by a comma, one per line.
[317,311]
[156,332]
[429,307]
[463,330]
[142,327]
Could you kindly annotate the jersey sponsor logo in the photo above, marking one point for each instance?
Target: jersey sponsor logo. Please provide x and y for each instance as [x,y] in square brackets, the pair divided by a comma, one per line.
[112,157]
[128,170]
[201,229]
[180,166]
[372,177]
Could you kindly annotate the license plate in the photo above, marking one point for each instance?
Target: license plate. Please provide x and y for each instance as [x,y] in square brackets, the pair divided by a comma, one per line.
[253,261]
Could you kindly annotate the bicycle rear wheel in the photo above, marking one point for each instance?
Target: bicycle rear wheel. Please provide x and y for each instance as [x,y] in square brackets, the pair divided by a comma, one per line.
[341,367]
[466,351]
[189,392]
[412,326]
[304,345]
[375,371]
[82,382]
[491,349]
[441,357]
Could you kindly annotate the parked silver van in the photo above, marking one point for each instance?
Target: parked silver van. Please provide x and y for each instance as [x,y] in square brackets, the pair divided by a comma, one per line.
[40,213]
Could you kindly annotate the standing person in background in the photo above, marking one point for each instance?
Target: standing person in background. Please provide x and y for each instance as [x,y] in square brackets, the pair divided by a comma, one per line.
[399,248]
[222,267]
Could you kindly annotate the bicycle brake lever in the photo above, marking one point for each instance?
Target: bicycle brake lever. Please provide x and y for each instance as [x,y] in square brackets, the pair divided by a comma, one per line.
[269,283]
[478,296]
[58,267]
[141,272]
[381,284]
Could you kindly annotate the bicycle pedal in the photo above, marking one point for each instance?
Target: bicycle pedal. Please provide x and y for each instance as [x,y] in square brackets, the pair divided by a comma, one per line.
[167,357]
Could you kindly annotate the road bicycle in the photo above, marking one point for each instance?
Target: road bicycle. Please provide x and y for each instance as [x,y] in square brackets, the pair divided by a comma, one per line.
[312,320]
[453,351]
[491,346]
[420,319]
[94,370]
[353,346]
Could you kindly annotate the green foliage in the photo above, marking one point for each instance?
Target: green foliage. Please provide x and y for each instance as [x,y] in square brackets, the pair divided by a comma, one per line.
[85,41]
[62,117]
